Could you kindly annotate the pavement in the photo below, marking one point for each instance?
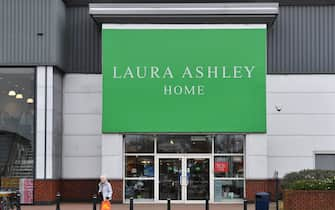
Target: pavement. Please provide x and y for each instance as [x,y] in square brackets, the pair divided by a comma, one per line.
[85,206]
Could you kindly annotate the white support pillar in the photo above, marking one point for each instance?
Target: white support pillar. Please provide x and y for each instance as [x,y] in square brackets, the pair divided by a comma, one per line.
[112,156]
[44,123]
[40,121]
[49,124]
[256,156]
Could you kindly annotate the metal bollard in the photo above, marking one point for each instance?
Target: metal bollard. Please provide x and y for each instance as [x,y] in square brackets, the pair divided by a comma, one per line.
[245,204]
[94,199]
[168,204]
[58,201]
[207,204]
[131,206]
[277,190]
[18,200]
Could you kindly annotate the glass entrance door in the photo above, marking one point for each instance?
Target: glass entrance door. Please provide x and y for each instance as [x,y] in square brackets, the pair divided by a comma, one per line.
[184,178]
[198,178]
[170,172]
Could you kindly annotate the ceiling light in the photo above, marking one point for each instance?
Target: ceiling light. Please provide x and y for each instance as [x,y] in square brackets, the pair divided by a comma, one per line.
[19,96]
[11,93]
[30,101]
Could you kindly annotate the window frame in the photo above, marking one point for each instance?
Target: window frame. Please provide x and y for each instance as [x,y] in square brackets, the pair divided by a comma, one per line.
[212,155]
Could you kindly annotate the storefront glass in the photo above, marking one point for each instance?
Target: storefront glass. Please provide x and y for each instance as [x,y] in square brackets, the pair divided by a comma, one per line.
[17,130]
[226,190]
[229,143]
[170,171]
[184,144]
[140,166]
[139,144]
[139,189]
[228,167]
[184,164]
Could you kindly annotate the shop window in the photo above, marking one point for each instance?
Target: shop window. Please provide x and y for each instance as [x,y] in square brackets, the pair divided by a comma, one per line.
[17,130]
[229,166]
[325,161]
[139,189]
[225,190]
[184,144]
[229,143]
[139,166]
[139,144]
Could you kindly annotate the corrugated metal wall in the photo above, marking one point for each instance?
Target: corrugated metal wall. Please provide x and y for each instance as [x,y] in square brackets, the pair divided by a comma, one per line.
[31,32]
[302,41]
[83,42]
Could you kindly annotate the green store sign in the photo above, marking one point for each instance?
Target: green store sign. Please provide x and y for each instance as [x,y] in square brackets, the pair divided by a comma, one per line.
[184,79]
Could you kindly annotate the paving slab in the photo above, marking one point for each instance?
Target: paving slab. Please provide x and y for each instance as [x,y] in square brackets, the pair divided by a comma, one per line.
[86,206]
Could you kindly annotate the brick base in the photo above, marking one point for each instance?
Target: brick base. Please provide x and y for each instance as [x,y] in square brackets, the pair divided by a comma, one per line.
[72,190]
[309,200]
[254,186]
[45,191]
[77,190]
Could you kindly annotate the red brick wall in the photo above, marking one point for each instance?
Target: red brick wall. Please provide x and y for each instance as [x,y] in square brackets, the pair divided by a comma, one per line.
[254,186]
[84,189]
[309,200]
[72,190]
[45,191]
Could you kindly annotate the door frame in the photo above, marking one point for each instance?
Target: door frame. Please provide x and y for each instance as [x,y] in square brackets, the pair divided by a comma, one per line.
[184,158]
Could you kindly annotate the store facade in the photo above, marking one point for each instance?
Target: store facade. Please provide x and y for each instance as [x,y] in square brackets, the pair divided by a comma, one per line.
[173,91]
[184,168]
[187,101]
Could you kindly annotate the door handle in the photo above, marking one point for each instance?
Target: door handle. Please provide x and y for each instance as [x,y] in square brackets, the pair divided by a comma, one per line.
[182,180]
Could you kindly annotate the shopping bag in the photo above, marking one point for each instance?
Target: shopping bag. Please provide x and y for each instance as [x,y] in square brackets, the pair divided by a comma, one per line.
[106,205]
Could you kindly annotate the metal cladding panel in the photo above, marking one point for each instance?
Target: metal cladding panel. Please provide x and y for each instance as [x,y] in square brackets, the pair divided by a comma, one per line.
[302,41]
[30,32]
[83,42]
[58,34]
[282,2]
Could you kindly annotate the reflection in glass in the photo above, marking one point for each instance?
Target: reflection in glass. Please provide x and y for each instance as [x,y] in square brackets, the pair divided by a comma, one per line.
[139,166]
[139,144]
[139,189]
[169,179]
[184,144]
[198,179]
[228,190]
[17,129]
[229,143]
[229,166]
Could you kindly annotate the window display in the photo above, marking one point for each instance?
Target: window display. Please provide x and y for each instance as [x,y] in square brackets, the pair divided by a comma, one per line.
[17,130]
[229,166]
[139,189]
[230,143]
[184,144]
[140,166]
[228,190]
[139,144]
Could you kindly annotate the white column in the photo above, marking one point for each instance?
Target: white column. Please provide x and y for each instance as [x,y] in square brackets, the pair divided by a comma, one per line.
[44,123]
[49,124]
[112,156]
[40,121]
